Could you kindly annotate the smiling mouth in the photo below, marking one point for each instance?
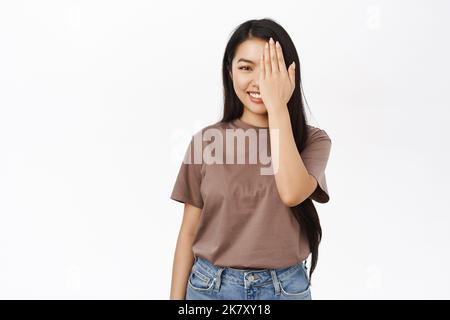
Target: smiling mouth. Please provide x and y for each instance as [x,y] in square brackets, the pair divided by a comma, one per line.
[254,94]
[254,98]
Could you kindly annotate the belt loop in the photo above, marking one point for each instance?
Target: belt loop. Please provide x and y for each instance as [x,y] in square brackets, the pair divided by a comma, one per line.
[275,280]
[218,278]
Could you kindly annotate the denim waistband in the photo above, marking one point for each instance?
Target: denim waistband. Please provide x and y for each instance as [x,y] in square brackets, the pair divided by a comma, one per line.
[240,276]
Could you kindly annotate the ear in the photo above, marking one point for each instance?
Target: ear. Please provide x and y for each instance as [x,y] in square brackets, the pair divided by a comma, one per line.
[231,75]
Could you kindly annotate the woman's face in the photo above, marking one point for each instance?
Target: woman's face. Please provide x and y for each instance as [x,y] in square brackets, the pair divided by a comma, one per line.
[245,73]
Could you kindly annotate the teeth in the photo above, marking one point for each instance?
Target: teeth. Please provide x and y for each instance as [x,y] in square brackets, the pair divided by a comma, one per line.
[255,95]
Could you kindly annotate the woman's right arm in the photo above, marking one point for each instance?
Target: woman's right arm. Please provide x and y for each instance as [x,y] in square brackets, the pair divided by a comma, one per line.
[184,257]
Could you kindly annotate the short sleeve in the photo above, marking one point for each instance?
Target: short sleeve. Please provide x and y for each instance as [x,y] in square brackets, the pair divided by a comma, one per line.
[315,157]
[187,184]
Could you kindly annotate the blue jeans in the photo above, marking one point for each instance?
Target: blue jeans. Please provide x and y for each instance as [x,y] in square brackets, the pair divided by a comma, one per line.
[210,282]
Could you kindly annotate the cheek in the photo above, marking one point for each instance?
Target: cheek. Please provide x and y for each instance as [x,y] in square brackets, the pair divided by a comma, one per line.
[242,83]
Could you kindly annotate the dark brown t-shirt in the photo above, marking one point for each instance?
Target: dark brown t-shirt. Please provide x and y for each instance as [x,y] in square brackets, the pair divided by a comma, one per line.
[244,223]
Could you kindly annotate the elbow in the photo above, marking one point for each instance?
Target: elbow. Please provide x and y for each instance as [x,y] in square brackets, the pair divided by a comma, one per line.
[292,200]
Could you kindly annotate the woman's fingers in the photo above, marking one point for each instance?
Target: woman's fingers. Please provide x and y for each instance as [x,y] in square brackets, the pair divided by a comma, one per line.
[281,63]
[267,66]
[262,72]
[273,57]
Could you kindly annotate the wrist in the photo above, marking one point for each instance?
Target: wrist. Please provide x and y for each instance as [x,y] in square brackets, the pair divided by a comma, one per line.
[278,108]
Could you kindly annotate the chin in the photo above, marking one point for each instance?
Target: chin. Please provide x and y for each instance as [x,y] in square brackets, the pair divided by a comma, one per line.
[257,109]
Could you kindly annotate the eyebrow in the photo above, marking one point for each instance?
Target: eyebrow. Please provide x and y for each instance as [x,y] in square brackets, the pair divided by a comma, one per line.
[245,60]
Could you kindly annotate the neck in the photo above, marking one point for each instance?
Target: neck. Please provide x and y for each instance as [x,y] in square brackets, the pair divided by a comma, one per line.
[259,120]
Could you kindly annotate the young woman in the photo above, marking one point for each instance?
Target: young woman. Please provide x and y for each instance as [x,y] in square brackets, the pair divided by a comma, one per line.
[248,228]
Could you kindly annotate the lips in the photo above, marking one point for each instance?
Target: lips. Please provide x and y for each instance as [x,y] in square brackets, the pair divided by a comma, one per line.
[255,100]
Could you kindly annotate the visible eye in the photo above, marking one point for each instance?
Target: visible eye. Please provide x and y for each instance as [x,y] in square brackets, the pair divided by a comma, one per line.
[241,68]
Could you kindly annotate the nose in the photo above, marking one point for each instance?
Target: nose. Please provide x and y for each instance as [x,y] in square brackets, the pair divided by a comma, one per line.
[256,79]
[254,84]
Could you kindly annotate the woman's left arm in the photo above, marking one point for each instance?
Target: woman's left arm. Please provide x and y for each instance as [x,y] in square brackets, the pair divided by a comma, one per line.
[277,84]
[293,181]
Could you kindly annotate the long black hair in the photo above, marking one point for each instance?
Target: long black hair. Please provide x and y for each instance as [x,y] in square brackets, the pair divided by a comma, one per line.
[305,212]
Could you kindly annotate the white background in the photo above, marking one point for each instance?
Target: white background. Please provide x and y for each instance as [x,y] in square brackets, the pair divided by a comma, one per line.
[98,100]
